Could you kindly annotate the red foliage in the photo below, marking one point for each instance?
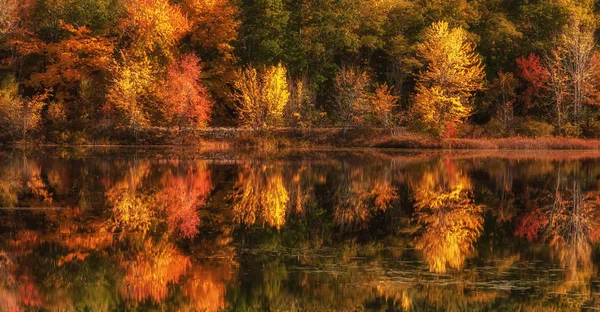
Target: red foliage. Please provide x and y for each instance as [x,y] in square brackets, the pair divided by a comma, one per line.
[530,224]
[185,99]
[535,75]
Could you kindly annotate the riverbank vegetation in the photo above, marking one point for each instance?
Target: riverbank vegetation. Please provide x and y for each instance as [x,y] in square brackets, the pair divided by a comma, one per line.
[450,73]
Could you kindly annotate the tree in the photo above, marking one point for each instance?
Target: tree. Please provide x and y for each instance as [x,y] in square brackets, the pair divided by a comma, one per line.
[351,99]
[262,96]
[263,31]
[153,27]
[186,102]
[503,95]
[19,116]
[301,110]
[77,59]
[453,74]
[581,64]
[535,77]
[8,17]
[132,81]
[383,103]
[214,29]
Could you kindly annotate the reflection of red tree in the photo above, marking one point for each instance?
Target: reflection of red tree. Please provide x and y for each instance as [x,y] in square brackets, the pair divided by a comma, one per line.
[530,224]
[181,197]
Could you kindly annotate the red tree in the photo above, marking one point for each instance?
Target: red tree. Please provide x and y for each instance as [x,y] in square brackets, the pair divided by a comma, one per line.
[535,76]
[186,100]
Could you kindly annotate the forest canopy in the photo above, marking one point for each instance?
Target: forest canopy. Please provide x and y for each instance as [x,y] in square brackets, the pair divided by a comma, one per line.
[72,70]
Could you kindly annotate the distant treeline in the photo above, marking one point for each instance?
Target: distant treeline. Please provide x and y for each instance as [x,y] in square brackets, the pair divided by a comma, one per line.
[73,70]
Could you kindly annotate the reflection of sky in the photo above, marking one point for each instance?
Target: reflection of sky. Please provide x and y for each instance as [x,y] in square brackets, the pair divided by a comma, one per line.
[403,231]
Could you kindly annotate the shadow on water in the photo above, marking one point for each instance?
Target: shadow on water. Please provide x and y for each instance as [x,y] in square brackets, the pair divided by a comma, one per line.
[173,229]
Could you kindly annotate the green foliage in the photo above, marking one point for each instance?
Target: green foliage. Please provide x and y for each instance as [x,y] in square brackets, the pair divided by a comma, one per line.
[534,128]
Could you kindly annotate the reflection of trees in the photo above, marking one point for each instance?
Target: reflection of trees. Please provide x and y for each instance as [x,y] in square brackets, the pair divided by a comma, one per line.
[360,193]
[21,182]
[573,226]
[139,205]
[259,192]
[451,221]
[180,197]
[149,267]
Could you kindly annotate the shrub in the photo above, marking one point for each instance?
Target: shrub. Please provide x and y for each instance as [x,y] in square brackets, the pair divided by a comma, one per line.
[570,130]
[534,128]
[262,96]
[19,116]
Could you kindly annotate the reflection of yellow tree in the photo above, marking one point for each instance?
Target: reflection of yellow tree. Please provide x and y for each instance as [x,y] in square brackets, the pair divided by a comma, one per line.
[260,192]
[149,270]
[451,221]
[206,287]
[131,208]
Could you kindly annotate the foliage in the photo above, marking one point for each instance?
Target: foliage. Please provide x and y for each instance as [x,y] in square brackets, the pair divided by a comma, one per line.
[503,94]
[301,110]
[262,96]
[185,100]
[384,104]
[132,83]
[19,116]
[534,128]
[351,100]
[454,72]
[153,26]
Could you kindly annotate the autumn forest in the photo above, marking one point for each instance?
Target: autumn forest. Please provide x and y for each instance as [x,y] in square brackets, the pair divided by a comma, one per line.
[98,71]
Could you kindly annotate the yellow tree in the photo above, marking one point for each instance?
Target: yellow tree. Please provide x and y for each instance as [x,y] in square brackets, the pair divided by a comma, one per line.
[132,81]
[154,26]
[262,96]
[454,72]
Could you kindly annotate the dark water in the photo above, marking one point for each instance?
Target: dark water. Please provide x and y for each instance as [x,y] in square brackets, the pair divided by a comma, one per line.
[174,230]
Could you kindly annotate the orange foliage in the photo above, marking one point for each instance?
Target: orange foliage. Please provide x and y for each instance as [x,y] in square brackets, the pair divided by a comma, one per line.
[149,271]
[206,287]
[184,97]
[73,59]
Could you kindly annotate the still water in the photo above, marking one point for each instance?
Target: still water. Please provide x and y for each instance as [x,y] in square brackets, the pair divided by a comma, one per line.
[175,230]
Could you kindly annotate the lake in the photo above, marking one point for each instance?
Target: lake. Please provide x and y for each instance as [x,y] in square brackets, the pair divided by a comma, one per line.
[170,229]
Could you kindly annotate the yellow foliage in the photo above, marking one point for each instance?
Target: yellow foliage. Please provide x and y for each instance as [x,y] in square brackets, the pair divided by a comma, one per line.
[19,116]
[132,81]
[149,271]
[260,192]
[383,103]
[454,72]
[262,96]
[451,221]
[155,26]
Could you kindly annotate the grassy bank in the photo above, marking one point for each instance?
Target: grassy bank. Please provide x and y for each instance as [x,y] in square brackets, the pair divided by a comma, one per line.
[360,138]
[328,138]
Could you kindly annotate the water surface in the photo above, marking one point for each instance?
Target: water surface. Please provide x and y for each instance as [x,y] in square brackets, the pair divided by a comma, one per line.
[175,230]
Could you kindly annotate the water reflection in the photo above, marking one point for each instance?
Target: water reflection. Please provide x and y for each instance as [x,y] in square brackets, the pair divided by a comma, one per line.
[108,231]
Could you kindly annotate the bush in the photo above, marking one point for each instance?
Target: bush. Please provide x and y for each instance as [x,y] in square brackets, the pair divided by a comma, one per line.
[494,129]
[534,128]
[570,130]
[592,130]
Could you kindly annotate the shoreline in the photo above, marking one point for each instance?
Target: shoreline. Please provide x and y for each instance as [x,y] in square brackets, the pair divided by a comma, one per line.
[328,139]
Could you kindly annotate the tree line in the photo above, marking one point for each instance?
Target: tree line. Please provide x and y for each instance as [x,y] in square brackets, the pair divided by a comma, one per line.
[76,69]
